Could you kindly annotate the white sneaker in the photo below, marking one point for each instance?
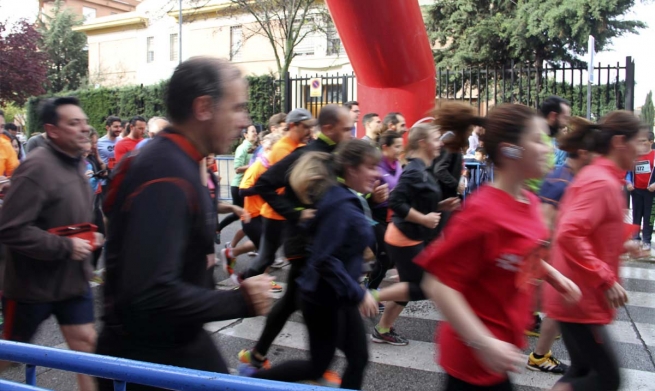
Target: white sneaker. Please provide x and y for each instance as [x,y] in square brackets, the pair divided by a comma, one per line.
[280,263]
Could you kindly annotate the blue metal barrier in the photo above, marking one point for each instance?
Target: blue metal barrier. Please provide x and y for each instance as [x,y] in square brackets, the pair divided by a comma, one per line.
[129,371]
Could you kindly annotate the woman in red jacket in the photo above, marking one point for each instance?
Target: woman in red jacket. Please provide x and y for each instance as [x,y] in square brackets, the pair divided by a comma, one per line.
[588,243]
[481,272]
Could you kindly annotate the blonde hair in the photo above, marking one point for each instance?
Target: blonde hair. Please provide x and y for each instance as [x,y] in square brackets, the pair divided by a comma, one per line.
[418,133]
[271,139]
[311,176]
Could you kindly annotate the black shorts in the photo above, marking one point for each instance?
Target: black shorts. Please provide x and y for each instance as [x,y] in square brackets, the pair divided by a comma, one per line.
[21,320]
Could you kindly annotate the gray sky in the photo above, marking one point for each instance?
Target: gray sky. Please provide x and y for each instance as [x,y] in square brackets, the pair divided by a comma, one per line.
[640,47]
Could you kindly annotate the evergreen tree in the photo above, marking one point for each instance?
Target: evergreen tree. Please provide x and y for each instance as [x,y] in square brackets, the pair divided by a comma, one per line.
[497,32]
[66,49]
[648,111]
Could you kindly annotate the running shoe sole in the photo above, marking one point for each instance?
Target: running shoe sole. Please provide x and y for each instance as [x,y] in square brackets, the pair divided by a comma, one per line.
[379,340]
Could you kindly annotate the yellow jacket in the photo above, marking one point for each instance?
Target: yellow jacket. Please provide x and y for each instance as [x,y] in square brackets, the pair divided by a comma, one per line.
[8,158]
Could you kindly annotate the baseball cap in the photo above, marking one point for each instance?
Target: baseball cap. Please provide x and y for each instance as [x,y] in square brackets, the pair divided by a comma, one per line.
[300,115]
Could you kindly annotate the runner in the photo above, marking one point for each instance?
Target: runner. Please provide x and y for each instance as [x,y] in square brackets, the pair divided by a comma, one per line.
[300,122]
[480,273]
[252,203]
[416,203]
[391,144]
[242,157]
[330,294]
[552,189]
[137,128]
[336,124]
[156,294]
[47,267]
[589,241]
[641,189]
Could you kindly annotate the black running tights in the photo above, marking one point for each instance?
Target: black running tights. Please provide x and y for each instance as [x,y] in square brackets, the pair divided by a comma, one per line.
[323,325]
[594,365]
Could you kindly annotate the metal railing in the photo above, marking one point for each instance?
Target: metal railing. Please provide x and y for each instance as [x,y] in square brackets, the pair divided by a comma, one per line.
[226,171]
[123,371]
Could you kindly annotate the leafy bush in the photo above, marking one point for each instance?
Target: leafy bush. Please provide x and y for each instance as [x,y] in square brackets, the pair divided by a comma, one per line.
[148,101]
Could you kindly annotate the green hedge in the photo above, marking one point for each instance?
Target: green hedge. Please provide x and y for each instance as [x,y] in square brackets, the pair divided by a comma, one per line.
[148,101]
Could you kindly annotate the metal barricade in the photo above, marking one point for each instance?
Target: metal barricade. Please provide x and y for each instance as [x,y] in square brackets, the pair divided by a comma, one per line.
[123,371]
[224,164]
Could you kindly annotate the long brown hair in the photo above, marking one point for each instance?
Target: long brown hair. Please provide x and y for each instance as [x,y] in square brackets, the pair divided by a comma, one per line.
[458,118]
[598,137]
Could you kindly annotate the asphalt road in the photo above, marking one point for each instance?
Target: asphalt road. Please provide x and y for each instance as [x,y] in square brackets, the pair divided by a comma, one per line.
[410,367]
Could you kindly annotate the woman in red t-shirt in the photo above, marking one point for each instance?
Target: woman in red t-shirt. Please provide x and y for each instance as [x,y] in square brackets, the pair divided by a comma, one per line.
[482,271]
[589,240]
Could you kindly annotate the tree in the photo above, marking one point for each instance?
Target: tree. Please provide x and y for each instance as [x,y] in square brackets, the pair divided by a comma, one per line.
[66,49]
[285,23]
[648,111]
[499,32]
[22,69]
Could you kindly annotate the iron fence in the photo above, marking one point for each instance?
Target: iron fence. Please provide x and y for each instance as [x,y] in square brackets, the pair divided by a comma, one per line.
[484,87]
[612,89]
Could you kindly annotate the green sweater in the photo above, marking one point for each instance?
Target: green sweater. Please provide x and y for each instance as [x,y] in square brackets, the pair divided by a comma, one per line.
[241,158]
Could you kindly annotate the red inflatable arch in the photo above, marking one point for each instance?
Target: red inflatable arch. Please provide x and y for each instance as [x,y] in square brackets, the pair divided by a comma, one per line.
[390,53]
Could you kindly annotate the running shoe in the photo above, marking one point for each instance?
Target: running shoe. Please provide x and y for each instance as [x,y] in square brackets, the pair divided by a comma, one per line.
[247,357]
[280,263]
[392,338]
[330,379]
[547,363]
[228,263]
[246,370]
[275,287]
[536,328]
[252,254]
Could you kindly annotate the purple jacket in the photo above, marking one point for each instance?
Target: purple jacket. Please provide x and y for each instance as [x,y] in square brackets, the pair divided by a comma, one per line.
[389,174]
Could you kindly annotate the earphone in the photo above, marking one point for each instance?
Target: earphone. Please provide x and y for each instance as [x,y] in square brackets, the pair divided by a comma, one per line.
[512,152]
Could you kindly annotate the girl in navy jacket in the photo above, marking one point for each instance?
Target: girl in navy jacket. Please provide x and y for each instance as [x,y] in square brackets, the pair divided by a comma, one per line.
[330,294]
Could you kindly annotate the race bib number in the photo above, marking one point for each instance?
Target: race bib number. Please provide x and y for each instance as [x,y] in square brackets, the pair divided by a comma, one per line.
[642,167]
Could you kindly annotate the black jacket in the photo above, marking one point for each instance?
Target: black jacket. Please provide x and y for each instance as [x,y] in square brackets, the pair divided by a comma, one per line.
[287,204]
[416,189]
[161,228]
[447,168]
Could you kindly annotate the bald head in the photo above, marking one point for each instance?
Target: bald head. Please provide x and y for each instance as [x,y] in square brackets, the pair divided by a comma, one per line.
[156,124]
[335,122]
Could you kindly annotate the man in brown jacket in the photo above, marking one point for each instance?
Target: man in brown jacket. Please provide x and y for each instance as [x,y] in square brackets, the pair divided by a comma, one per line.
[47,274]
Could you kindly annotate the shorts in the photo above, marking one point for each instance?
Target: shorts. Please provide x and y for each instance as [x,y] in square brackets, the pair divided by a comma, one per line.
[22,320]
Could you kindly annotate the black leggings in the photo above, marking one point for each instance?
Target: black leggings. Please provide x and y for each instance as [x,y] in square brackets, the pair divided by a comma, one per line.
[642,207]
[236,200]
[382,259]
[272,234]
[199,353]
[325,326]
[282,310]
[98,220]
[594,365]
[408,271]
[253,230]
[454,384]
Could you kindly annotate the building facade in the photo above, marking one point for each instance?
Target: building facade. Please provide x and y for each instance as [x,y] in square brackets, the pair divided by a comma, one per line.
[142,46]
[91,9]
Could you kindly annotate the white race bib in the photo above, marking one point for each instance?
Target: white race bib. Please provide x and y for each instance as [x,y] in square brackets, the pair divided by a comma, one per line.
[642,167]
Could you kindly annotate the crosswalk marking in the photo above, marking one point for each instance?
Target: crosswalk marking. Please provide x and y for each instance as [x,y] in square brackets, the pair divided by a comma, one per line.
[622,331]
[417,355]
[637,273]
